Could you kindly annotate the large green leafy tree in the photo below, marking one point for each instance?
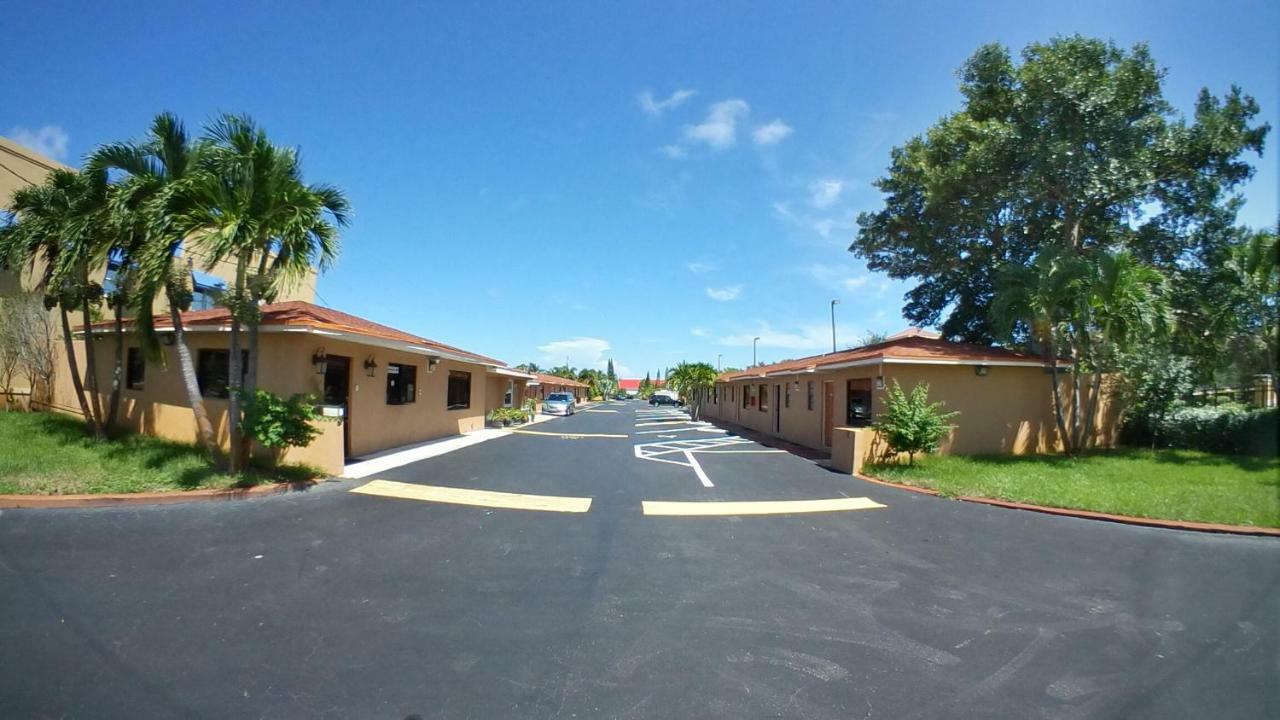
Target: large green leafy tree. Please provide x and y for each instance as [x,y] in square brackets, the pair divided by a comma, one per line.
[250,207]
[155,187]
[1074,149]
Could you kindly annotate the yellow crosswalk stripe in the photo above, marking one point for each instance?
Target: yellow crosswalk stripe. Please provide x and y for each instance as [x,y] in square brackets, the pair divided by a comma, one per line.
[476,498]
[570,435]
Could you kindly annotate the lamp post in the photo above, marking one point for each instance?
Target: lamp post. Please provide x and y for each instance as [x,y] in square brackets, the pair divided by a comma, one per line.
[718,356]
[834,303]
[753,350]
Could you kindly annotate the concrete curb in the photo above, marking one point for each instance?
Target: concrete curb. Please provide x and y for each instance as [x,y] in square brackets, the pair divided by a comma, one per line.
[1090,514]
[171,497]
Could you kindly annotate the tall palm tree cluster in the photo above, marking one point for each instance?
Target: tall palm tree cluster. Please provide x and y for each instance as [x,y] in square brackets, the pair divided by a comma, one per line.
[229,196]
[1085,310]
[693,381]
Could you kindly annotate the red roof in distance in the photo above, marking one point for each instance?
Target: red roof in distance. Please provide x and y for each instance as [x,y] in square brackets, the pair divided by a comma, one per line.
[634,383]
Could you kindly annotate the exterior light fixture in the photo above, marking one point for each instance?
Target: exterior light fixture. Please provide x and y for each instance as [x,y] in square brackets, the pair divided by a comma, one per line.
[981,370]
[320,361]
[370,366]
[879,382]
[432,362]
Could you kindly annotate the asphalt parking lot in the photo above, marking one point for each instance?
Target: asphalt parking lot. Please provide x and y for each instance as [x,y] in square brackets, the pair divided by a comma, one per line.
[345,604]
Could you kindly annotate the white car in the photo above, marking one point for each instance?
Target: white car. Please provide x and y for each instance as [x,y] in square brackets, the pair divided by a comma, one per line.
[558,404]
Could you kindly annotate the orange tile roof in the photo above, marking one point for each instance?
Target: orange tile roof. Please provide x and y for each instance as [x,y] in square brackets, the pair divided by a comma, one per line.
[546,379]
[296,313]
[908,346]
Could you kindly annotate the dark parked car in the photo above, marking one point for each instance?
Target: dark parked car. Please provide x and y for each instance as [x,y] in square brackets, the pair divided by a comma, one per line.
[664,399]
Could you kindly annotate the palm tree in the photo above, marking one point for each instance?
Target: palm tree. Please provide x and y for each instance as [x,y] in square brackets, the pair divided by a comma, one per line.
[52,229]
[251,207]
[159,173]
[1086,309]
[694,382]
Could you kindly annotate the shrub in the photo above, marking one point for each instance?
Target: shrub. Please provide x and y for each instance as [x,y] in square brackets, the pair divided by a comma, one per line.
[1230,429]
[278,423]
[515,415]
[911,424]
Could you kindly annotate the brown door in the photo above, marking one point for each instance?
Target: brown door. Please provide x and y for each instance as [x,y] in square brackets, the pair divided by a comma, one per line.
[828,411]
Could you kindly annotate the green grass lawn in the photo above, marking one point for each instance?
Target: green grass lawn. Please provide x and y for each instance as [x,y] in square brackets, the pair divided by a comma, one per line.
[50,454]
[1168,484]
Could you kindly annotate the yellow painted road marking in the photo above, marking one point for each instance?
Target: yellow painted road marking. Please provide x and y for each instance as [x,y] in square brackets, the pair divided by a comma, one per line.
[764,507]
[571,436]
[477,498]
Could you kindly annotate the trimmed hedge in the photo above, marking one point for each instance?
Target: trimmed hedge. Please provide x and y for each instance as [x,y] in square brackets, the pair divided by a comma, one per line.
[1228,429]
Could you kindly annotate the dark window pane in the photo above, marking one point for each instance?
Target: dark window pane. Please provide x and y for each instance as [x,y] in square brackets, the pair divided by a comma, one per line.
[135,370]
[213,369]
[459,397]
[402,384]
[859,402]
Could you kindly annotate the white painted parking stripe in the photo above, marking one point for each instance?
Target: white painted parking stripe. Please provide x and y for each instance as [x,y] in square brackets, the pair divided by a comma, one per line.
[688,429]
[763,507]
[697,469]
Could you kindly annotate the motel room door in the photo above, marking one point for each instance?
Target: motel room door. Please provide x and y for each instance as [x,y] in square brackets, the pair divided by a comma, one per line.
[828,411]
[777,409]
[337,391]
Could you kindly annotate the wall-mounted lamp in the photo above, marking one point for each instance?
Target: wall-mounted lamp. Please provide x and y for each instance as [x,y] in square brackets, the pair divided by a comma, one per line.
[981,370]
[879,382]
[320,361]
[432,362]
[370,366]
[167,339]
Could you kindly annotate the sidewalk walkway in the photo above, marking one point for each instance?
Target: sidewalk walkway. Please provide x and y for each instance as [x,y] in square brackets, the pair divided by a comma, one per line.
[770,441]
[395,457]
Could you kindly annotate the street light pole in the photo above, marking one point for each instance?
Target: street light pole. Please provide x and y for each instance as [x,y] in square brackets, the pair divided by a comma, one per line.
[718,356]
[753,350]
[834,303]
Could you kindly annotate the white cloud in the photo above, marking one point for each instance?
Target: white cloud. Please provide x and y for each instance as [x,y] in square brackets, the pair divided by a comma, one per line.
[49,140]
[724,294]
[654,108]
[720,129]
[823,225]
[771,133]
[839,278]
[698,332]
[675,152]
[825,192]
[698,267]
[581,351]
[815,337]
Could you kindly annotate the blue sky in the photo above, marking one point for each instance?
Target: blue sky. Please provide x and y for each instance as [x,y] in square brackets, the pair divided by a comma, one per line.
[650,182]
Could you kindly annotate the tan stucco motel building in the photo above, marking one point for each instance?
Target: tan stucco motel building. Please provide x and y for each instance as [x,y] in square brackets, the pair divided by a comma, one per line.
[1004,398]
